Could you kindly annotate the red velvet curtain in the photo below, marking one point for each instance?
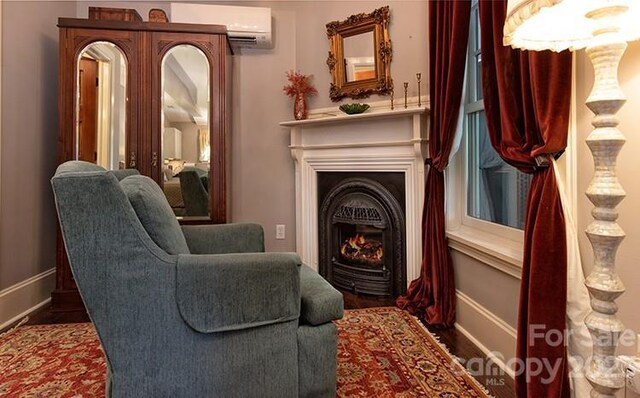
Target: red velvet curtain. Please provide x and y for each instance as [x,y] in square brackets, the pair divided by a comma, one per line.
[526,100]
[432,296]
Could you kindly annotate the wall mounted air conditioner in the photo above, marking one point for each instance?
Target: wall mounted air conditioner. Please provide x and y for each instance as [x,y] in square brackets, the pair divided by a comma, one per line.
[248,27]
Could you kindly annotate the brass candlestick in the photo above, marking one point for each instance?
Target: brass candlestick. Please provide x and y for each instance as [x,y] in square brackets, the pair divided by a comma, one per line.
[406,86]
[391,99]
[419,75]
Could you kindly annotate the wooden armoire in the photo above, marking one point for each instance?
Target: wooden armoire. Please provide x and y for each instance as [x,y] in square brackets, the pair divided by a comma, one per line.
[144,47]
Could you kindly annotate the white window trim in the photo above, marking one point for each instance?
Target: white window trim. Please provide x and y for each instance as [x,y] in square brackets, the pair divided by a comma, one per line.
[493,244]
[496,245]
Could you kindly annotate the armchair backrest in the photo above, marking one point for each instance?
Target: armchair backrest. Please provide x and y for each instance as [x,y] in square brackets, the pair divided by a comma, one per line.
[118,268]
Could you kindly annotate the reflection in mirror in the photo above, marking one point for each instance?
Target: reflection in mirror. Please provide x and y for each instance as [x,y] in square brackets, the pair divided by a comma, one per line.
[101,96]
[185,139]
[359,61]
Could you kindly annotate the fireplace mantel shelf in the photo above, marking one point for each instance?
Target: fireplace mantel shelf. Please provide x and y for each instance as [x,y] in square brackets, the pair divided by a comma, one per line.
[339,117]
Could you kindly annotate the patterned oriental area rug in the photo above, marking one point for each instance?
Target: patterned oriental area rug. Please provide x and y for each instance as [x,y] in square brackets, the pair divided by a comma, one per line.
[52,361]
[385,352]
[382,352]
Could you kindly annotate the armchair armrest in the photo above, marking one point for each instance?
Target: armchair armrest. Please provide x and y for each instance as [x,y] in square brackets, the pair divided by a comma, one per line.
[224,238]
[217,293]
[321,302]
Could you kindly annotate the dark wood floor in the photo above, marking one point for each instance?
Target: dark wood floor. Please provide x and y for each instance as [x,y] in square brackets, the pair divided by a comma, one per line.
[501,386]
[47,316]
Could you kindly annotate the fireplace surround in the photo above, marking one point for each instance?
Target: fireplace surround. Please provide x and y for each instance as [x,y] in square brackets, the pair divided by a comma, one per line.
[381,141]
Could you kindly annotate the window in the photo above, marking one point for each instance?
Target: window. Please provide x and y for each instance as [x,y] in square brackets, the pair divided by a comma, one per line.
[496,192]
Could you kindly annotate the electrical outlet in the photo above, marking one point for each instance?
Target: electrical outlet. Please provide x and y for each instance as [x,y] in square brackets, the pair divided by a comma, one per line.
[631,368]
[280,232]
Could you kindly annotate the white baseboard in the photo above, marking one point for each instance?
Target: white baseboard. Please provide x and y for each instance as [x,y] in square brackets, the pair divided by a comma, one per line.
[19,300]
[489,333]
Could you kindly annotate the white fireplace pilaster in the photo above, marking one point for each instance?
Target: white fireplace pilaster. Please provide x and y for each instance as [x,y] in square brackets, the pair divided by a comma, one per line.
[380,141]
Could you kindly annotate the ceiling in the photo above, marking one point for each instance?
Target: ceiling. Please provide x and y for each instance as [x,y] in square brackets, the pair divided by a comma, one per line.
[185,84]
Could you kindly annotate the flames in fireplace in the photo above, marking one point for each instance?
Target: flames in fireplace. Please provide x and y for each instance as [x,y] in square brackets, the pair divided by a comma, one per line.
[359,249]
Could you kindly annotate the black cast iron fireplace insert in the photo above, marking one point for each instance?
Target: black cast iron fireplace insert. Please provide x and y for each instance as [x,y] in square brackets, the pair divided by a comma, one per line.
[362,232]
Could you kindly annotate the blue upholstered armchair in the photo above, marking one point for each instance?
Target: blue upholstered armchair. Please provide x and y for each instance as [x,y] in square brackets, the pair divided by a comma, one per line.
[197,311]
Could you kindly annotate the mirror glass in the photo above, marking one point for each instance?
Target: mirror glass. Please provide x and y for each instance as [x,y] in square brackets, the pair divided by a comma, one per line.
[186,150]
[101,98]
[359,61]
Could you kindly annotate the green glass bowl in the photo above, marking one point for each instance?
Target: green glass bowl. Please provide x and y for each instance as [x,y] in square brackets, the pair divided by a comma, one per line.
[354,108]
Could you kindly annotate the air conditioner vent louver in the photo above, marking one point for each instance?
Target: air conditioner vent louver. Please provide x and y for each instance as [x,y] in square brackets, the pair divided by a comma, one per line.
[243,40]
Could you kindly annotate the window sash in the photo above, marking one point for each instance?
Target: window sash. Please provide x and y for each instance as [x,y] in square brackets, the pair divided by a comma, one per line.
[473,107]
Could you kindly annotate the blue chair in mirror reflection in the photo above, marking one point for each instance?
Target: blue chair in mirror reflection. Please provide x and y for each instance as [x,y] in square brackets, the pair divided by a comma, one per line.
[194,185]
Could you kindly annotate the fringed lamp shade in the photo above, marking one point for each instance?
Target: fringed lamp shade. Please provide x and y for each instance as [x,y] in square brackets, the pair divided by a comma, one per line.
[603,27]
[559,25]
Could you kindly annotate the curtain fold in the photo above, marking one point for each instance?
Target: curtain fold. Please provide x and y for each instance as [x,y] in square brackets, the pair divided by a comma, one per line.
[204,146]
[432,295]
[527,99]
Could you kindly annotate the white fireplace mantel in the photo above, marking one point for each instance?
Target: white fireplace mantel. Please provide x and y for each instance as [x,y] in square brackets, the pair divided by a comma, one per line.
[381,140]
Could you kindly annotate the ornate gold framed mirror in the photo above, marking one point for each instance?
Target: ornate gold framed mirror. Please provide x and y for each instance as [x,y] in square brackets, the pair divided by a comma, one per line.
[360,55]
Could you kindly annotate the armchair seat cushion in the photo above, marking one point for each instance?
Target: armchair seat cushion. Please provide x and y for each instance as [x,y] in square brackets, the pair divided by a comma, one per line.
[154,213]
[321,303]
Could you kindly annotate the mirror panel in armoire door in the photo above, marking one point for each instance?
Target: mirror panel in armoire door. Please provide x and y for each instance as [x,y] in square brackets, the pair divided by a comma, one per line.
[185,149]
[98,93]
[101,106]
[186,159]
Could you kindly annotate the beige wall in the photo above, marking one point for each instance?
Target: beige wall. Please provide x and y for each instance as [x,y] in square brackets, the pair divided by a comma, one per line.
[479,282]
[262,169]
[29,136]
[407,31]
